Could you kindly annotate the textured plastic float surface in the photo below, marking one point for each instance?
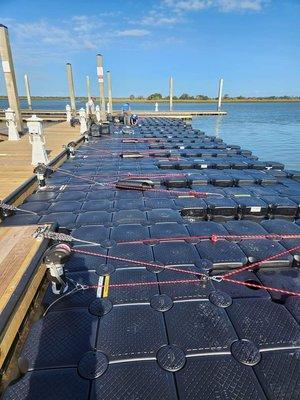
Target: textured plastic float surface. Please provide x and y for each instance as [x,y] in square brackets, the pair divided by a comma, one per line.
[149,324]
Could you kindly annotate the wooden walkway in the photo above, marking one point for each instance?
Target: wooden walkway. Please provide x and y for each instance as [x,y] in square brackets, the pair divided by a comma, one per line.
[15,156]
[60,115]
[179,114]
[17,251]
[3,131]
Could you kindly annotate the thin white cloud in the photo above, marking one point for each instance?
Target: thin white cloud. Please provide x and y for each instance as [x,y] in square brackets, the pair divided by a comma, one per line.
[131,32]
[42,32]
[86,23]
[157,18]
[43,40]
[188,5]
[221,5]
[251,5]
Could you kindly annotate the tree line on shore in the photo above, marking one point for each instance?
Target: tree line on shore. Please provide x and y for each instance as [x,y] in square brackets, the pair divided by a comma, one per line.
[186,96]
[183,97]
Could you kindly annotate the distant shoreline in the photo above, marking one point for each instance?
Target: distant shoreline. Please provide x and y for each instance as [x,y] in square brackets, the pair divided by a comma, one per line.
[123,99]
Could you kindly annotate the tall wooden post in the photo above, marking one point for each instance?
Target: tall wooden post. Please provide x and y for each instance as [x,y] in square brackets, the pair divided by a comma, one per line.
[71,86]
[9,76]
[171,93]
[101,86]
[220,94]
[88,87]
[109,92]
[27,89]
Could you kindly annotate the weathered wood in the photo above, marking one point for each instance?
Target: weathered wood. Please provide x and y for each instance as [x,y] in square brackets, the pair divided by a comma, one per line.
[17,250]
[55,115]
[15,157]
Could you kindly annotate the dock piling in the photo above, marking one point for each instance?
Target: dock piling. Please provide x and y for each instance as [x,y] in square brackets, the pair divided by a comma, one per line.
[109,92]
[9,76]
[221,81]
[88,87]
[100,76]
[71,86]
[27,89]
[171,94]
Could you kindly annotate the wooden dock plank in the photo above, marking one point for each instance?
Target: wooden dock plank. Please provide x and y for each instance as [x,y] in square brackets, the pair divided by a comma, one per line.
[17,249]
[60,115]
[15,156]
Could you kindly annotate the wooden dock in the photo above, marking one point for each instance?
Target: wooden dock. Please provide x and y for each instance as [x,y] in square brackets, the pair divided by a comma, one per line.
[60,115]
[15,156]
[20,254]
[179,114]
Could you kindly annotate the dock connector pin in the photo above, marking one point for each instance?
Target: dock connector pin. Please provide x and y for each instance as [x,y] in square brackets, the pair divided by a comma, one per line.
[70,147]
[41,171]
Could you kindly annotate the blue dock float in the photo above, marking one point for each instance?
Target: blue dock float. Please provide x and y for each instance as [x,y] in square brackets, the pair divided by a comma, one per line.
[178,275]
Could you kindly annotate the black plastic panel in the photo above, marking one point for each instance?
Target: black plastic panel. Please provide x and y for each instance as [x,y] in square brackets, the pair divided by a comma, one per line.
[154,320]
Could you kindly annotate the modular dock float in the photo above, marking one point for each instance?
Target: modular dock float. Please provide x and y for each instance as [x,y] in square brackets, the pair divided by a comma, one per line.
[175,272]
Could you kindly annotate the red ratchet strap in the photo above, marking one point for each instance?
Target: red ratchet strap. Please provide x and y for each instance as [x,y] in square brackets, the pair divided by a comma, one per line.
[192,193]
[138,262]
[219,278]
[190,281]
[149,283]
[214,238]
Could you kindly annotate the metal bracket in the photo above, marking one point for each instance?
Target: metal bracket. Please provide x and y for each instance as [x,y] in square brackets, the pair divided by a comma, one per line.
[216,278]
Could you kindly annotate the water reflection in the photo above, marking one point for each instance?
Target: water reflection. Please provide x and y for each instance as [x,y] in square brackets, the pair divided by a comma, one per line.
[218,123]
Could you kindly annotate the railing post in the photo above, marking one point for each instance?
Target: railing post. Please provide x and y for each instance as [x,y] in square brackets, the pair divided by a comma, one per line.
[11,124]
[68,112]
[98,113]
[37,140]
[82,119]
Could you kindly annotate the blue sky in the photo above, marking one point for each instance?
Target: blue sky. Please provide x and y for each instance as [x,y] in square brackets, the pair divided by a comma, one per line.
[253,44]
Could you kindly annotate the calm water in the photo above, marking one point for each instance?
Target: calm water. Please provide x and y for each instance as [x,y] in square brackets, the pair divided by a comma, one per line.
[270,130]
